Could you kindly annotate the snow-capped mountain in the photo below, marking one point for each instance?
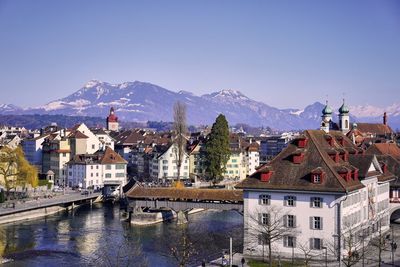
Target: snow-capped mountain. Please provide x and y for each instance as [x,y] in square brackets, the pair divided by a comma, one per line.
[141,101]
[9,108]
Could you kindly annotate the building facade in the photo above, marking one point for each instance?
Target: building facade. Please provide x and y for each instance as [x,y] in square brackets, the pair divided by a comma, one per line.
[320,192]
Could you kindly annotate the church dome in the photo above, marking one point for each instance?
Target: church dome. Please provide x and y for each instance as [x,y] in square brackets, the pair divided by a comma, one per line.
[344,109]
[327,110]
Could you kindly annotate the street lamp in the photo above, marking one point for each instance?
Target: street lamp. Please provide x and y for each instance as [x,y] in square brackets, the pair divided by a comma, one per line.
[326,256]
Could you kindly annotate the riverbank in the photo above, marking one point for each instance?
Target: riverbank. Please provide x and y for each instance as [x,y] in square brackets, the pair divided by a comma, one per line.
[43,207]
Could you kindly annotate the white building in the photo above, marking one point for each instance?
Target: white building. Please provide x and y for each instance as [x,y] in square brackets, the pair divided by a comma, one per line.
[105,139]
[97,170]
[163,163]
[320,190]
[92,141]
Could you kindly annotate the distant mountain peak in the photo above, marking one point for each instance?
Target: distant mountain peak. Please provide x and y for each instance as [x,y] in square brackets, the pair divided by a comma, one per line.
[92,83]
[144,101]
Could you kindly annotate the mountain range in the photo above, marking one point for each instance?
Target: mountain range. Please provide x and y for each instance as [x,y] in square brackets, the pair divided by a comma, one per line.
[141,101]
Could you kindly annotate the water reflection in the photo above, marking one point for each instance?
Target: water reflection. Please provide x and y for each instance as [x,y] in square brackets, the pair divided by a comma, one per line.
[77,238]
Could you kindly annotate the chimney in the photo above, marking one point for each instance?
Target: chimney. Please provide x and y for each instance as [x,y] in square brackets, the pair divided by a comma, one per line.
[384,118]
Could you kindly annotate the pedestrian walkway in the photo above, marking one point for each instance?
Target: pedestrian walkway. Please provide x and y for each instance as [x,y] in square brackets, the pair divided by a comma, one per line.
[47,202]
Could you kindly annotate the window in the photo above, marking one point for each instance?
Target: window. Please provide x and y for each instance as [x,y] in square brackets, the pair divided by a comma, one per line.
[234,160]
[108,167]
[93,146]
[91,175]
[120,166]
[290,201]
[97,174]
[290,221]
[289,241]
[316,223]
[316,202]
[264,199]
[165,168]
[165,161]
[97,167]
[317,178]
[108,175]
[316,243]
[91,167]
[263,218]
[120,174]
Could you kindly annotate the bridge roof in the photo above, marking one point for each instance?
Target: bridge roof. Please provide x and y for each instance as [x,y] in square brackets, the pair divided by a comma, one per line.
[184,193]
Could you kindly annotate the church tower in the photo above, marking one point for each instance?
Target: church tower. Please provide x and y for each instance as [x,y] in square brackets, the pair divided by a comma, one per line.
[112,121]
[344,118]
[326,118]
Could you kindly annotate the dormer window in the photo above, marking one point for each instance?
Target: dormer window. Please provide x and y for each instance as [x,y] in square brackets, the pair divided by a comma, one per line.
[329,139]
[317,175]
[266,174]
[298,157]
[340,139]
[317,178]
[344,155]
[334,155]
[345,174]
[302,142]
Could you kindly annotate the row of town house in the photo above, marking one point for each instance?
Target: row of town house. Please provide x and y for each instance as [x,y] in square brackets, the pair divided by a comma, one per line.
[78,156]
[322,193]
[153,156]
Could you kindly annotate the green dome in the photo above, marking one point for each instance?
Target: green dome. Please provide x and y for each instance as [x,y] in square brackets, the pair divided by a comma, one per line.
[327,110]
[344,109]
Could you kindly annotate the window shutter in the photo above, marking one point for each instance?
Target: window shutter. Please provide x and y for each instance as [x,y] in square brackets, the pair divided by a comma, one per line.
[321,243]
[322,225]
[294,201]
[285,241]
[311,202]
[285,220]
[294,241]
[322,202]
[259,199]
[285,201]
[311,223]
[259,218]
[294,221]
[311,243]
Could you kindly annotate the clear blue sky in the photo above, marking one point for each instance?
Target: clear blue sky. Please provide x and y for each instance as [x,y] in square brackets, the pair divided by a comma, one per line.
[284,53]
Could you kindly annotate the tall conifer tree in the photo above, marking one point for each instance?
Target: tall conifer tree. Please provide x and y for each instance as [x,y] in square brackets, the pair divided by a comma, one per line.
[217,149]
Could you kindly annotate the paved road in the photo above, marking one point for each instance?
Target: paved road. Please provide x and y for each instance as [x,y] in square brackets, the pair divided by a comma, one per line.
[47,202]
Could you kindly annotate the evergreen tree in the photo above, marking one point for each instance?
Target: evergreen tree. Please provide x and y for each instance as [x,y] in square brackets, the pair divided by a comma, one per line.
[217,149]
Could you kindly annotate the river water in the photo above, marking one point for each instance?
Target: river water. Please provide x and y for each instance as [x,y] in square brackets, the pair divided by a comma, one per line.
[95,236]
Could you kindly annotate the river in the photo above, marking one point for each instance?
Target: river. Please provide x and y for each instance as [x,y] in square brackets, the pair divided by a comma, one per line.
[94,236]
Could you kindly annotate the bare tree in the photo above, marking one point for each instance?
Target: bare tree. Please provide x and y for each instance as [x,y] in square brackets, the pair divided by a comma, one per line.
[180,130]
[267,226]
[380,242]
[307,251]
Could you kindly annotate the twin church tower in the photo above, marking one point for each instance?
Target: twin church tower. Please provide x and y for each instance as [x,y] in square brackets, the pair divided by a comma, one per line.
[344,119]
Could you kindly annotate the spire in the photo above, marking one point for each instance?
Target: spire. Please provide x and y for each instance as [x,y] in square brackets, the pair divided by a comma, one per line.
[327,110]
[344,109]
